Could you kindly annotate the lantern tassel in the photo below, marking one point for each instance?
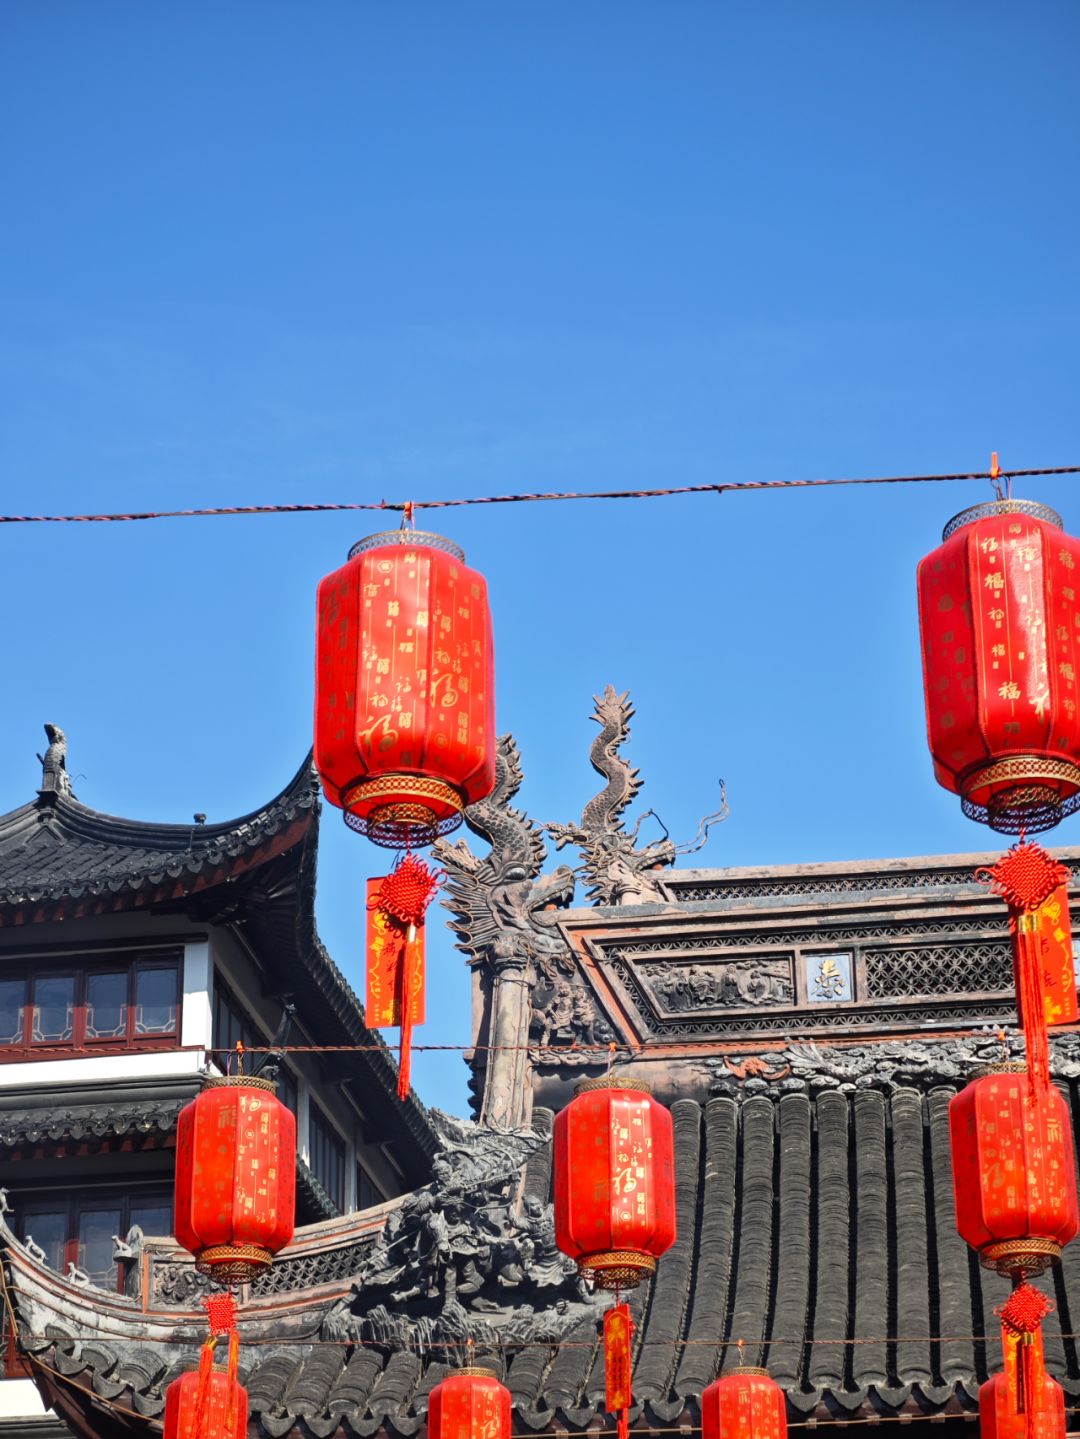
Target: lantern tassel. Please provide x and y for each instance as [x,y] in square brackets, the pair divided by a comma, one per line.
[1032,998]
[1021,1341]
[206,1373]
[618,1365]
[396,953]
[404,1073]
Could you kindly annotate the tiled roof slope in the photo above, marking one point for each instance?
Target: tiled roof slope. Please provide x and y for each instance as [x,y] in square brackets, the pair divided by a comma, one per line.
[815,1225]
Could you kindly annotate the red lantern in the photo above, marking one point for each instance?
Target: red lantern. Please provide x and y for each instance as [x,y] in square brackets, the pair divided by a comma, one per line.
[614,1158]
[1022,1402]
[1000,628]
[1014,1173]
[404,688]
[206,1404]
[469,1404]
[235,1177]
[745,1404]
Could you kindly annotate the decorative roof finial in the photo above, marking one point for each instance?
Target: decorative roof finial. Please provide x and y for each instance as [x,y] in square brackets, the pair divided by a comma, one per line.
[54,774]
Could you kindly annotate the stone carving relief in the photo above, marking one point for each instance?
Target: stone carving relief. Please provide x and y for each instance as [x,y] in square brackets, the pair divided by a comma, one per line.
[504,911]
[739,984]
[887,1064]
[466,1258]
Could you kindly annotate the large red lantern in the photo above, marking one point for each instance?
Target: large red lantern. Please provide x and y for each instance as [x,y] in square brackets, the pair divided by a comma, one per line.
[1000,624]
[744,1404]
[235,1177]
[206,1406]
[469,1404]
[404,688]
[614,1159]
[1014,1173]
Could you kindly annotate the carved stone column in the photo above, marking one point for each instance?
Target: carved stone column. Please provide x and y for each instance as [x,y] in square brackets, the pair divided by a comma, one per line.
[507,1076]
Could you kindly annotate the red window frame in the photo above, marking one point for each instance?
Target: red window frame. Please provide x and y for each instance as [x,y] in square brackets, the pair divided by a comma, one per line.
[82,968]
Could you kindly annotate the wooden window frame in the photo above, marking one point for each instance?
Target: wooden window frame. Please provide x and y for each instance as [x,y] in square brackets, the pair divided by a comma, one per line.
[82,967]
[319,1119]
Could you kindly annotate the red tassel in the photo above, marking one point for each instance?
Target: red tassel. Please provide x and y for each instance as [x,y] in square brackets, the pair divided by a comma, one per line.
[395,975]
[618,1365]
[1031,997]
[405,1009]
[206,1369]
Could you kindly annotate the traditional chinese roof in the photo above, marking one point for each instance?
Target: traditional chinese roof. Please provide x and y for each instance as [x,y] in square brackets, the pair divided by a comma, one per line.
[815,1223]
[61,859]
[58,856]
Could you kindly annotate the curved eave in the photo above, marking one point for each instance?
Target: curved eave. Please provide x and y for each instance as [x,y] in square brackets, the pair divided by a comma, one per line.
[139,863]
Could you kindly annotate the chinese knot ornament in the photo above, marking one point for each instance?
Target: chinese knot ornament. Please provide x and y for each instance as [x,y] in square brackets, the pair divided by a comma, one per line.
[744,1404]
[235,1177]
[470,1403]
[614,1162]
[1000,624]
[1014,1173]
[404,688]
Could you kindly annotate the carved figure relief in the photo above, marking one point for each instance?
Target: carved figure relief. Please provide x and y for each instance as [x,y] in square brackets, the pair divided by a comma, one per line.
[739,984]
[463,1259]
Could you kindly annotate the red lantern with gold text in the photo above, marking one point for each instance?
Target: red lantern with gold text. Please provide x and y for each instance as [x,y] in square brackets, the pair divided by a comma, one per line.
[744,1404]
[404,688]
[1022,1402]
[224,1406]
[1000,623]
[469,1404]
[614,1160]
[1014,1174]
[235,1177]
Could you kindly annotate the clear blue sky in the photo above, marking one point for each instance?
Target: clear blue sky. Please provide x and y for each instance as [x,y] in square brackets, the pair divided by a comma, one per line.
[263,252]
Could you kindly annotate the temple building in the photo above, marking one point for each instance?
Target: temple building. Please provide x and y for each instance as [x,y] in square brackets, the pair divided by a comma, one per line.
[808,1025]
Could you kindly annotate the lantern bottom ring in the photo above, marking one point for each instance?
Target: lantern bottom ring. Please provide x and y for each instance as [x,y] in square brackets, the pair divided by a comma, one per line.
[1021,793]
[617,1268]
[402,811]
[234,1263]
[1028,1255]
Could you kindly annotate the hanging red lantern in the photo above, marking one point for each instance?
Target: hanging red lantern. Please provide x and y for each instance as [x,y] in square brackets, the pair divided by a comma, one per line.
[404,688]
[470,1403]
[1000,624]
[1022,1402]
[1014,1173]
[614,1160]
[235,1177]
[744,1404]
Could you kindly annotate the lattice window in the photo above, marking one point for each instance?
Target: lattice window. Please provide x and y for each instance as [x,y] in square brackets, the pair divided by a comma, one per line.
[942,969]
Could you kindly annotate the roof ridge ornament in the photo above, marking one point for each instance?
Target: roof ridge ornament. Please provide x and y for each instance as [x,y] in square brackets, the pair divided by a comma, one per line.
[55,779]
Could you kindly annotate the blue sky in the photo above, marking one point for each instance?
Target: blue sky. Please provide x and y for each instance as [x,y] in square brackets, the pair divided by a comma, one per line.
[271,252]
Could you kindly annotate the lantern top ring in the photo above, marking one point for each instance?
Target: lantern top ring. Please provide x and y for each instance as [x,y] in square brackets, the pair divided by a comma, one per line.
[992,508]
[613,1081]
[408,537]
[749,1369]
[1000,1066]
[236,1081]
[472,1371]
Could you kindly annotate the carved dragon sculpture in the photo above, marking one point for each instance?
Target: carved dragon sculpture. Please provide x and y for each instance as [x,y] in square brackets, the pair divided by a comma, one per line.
[616,871]
[498,903]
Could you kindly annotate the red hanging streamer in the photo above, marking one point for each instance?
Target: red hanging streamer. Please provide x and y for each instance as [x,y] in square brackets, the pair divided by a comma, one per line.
[396,906]
[618,1365]
[1028,879]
